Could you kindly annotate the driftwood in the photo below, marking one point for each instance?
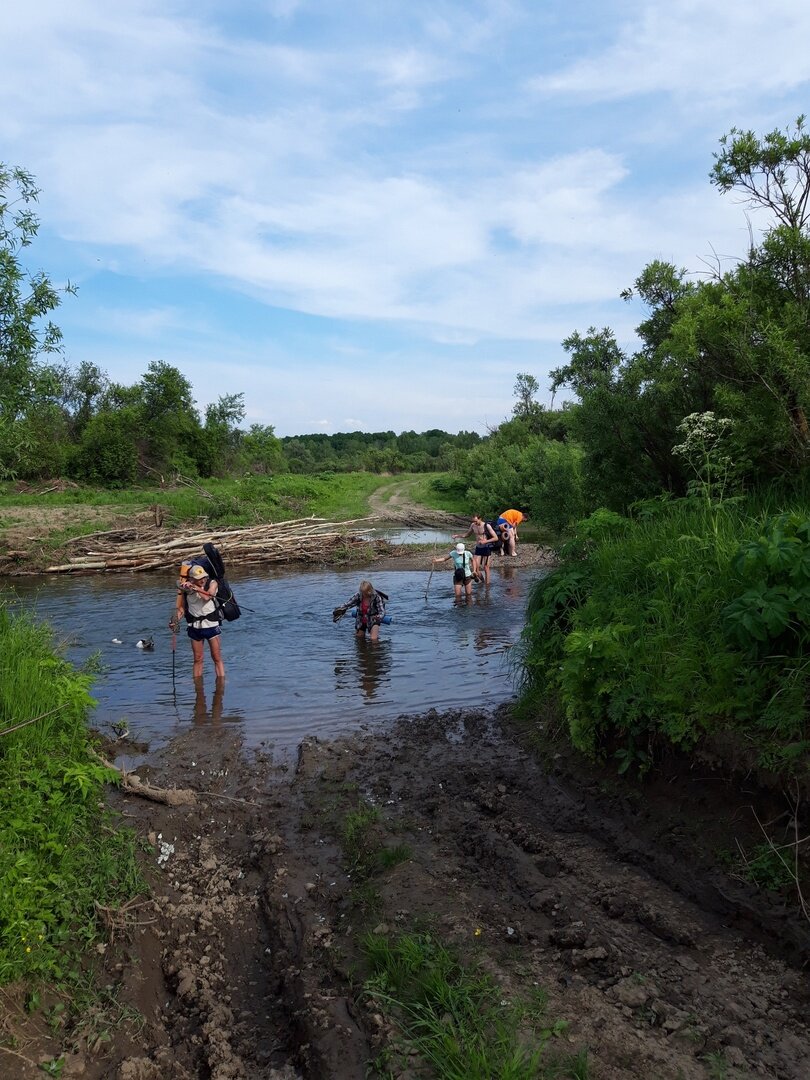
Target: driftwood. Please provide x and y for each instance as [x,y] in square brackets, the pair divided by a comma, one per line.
[148,548]
[132,783]
[168,796]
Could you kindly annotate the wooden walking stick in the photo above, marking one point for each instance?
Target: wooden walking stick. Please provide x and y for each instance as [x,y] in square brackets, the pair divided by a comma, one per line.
[174,653]
[432,564]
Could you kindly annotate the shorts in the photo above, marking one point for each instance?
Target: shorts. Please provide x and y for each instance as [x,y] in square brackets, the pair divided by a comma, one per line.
[482,551]
[459,577]
[204,633]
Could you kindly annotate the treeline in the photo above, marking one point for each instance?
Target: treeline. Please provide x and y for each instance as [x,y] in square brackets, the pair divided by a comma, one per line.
[681,609]
[378,451]
[82,426]
[58,421]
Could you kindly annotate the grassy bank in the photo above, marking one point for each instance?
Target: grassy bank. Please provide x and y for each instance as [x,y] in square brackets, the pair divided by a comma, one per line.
[244,501]
[60,852]
[688,621]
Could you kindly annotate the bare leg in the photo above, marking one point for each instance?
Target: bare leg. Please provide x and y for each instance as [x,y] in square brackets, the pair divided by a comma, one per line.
[468,588]
[197,650]
[457,591]
[215,644]
[374,632]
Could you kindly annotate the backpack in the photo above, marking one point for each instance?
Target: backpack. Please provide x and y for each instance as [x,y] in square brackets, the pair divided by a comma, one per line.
[227,607]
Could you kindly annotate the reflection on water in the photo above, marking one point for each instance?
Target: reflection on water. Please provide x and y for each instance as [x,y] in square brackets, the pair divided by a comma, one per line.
[202,714]
[291,672]
[366,670]
[396,534]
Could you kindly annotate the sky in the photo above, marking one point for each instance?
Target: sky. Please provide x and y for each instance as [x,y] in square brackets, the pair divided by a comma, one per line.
[373,215]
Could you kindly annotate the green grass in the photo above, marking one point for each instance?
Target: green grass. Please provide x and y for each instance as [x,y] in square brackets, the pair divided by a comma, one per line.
[437,491]
[362,846]
[60,851]
[455,1017]
[245,501]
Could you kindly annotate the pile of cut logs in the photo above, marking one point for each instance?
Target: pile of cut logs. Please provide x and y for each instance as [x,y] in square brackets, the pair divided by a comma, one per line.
[305,539]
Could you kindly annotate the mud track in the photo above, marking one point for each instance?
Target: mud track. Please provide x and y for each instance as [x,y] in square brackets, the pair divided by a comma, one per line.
[245,966]
[392,503]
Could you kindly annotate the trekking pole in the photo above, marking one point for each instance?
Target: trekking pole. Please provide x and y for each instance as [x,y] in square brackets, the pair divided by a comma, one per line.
[432,565]
[174,653]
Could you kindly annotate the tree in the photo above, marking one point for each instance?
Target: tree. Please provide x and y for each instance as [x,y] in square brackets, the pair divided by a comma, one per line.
[773,172]
[82,392]
[525,391]
[222,419]
[172,436]
[25,333]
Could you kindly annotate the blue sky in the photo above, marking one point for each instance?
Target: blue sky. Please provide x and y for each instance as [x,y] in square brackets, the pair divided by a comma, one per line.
[374,215]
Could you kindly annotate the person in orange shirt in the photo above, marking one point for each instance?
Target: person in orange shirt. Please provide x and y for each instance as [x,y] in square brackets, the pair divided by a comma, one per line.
[511,519]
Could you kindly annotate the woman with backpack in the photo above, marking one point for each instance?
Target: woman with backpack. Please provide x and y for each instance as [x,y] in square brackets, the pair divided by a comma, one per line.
[369,610]
[462,570]
[197,604]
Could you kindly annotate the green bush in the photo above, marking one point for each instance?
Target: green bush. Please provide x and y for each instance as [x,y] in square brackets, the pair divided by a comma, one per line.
[685,621]
[59,854]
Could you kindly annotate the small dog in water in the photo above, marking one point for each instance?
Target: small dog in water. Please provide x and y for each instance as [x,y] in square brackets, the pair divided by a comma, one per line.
[145,643]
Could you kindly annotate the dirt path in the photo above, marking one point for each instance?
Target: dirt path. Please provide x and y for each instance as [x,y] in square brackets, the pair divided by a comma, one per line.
[245,964]
[392,502]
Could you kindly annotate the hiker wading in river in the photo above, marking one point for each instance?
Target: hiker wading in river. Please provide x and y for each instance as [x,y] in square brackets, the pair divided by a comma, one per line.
[462,570]
[369,605]
[197,604]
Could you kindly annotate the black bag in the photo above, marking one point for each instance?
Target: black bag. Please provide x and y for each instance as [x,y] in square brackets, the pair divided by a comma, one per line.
[227,606]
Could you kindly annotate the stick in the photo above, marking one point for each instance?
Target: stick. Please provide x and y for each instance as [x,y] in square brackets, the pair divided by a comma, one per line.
[432,567]
[135,786]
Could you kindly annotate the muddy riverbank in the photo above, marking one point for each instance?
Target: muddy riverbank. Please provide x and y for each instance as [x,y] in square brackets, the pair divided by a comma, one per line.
[244,962]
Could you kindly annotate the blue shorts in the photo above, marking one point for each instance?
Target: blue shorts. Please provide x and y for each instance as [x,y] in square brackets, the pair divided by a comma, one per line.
[483,551]
[204,633]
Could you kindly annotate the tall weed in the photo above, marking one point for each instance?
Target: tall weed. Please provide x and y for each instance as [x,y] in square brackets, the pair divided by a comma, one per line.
[59,851]
[689,618]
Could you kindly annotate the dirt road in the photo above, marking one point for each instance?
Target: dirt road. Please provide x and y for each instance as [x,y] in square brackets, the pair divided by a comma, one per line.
[392,502]
[245,964]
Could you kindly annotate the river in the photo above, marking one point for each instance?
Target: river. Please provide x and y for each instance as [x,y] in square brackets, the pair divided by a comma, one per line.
[291,672]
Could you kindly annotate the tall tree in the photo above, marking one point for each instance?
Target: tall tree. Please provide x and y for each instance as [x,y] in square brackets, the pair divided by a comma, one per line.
[26,334]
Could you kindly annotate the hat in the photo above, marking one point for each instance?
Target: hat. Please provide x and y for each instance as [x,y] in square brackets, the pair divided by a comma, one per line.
[197,572]
[460,548]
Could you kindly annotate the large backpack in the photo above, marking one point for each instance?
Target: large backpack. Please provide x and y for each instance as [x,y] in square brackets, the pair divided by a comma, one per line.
[496,545]
[227,607]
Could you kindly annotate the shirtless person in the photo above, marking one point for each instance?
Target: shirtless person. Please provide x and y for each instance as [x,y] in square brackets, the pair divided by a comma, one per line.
[484,535]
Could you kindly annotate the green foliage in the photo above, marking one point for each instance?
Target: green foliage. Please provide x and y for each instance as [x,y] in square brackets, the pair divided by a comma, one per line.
[660,629]
[455,1017]
[375,451]
[58,852]
[107,451]
[520,468]
[26,334]
[773,171]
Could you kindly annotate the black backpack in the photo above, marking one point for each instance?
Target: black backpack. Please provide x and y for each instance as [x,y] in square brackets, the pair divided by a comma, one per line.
[227,607]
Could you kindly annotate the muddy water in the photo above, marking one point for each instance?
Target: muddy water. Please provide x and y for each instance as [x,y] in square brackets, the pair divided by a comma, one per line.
[291,672]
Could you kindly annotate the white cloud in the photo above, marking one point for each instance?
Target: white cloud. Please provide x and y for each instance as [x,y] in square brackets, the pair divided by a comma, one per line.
[693,50]
[391,174]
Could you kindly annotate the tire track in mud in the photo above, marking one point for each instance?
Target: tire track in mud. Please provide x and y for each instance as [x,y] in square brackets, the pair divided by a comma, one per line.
[656,983]
[391,503]
[253,968]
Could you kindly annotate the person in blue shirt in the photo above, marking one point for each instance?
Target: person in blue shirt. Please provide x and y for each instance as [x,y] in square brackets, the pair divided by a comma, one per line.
[462,570]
